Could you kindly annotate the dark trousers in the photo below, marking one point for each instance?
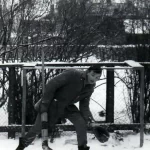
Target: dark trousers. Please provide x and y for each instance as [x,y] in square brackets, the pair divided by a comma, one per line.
[71,113]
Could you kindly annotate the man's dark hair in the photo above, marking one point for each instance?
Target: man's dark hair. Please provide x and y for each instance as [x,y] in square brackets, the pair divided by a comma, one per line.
[95,68]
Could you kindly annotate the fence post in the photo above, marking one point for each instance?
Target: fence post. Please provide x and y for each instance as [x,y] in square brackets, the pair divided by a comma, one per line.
[23,101]
[141,106]
[110,96]
[43,75]
[11,102]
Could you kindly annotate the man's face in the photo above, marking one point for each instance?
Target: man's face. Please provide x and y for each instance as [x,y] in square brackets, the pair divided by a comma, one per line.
[92,77]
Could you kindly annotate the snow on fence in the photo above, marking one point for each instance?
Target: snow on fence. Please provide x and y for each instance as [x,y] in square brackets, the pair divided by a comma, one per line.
[109,102]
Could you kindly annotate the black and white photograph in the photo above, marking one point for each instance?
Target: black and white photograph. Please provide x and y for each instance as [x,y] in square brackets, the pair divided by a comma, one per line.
[74,74]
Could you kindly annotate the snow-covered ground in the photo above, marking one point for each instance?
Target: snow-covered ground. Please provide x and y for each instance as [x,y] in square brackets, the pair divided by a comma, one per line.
[68,142]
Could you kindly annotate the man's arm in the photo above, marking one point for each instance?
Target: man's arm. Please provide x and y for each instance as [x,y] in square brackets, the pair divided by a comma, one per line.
[84,108]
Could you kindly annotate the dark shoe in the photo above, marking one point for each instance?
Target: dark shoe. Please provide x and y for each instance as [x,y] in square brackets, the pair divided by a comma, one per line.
[21,145]
[83,147]
[45,145]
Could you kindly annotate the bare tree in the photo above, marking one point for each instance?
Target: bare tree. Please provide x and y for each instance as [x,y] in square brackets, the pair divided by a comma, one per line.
[138,27]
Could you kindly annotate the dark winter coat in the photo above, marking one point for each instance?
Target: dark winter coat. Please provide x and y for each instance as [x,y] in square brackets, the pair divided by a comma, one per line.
[68,88]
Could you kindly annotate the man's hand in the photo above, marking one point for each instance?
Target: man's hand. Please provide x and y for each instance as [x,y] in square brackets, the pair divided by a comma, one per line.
[43,107]
[90,120]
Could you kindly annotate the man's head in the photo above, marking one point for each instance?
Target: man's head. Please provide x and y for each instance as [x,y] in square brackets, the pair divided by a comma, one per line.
[93,74]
